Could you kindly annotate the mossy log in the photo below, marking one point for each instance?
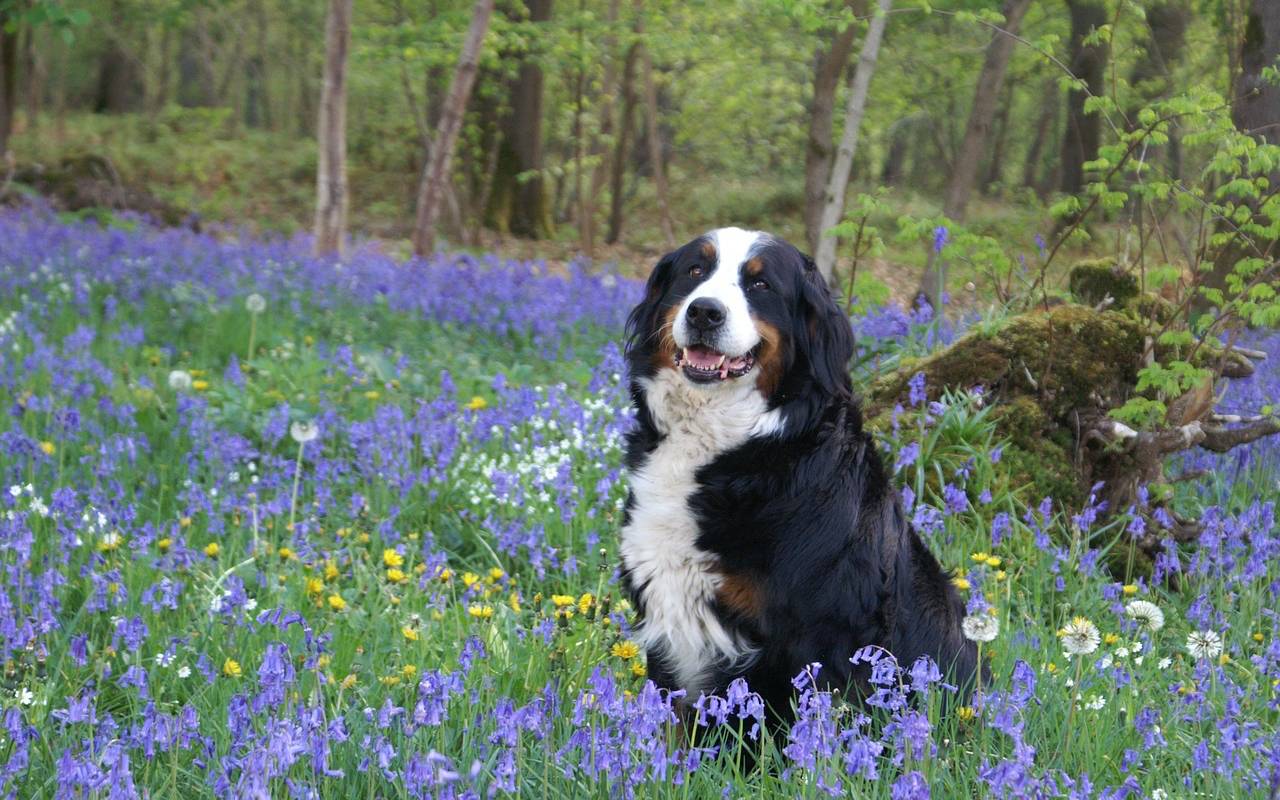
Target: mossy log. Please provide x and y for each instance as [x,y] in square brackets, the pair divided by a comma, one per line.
[1053,377]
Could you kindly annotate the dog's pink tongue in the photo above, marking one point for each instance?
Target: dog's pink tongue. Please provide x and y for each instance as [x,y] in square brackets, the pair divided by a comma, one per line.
[702,357]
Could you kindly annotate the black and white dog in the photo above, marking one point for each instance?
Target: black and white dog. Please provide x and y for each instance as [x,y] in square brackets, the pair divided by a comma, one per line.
[762,533]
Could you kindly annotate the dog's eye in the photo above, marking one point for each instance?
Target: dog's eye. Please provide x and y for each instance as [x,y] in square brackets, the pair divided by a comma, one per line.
[759,284]
[696,271]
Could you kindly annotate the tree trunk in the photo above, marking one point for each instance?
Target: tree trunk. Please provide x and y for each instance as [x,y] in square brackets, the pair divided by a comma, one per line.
[1256,110]
[331,133]
[1031,167]
[833,201]
[1163,48]
[8,80]
[653,135]
[520,203]
[991,178]
[1088,63]
[618,167]
[600,146]
[435,176]
[985,100]
[830,65]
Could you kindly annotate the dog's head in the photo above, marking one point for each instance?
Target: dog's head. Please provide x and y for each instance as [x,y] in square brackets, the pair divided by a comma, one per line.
[736,305]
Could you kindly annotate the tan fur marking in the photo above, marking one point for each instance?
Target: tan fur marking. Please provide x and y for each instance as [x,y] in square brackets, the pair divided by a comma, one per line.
[709,250]
[768,358]
[664,354]
[754,266]
[740,594]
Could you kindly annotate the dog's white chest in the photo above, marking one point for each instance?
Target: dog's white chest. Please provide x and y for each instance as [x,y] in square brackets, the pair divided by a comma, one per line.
[677,580]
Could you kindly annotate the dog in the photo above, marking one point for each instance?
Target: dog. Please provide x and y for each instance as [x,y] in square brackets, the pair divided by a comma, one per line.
[761,533]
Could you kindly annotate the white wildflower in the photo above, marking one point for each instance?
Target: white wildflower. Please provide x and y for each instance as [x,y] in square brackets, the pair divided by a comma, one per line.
[255,303]
[981,627]
[1080,637]
[179,380]
[1147,614]
[1204,644]
[303,432]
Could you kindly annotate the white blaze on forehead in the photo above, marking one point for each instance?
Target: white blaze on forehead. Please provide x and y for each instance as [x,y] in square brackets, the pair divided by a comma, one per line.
[738,336]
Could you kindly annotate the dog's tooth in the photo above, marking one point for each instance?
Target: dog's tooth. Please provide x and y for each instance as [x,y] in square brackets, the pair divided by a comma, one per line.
[720,363]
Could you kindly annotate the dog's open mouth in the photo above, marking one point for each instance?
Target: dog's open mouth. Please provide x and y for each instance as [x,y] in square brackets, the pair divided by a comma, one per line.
[703,364]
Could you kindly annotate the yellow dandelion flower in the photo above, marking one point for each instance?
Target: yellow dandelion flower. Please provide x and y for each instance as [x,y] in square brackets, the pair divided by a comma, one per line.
[470,579]
[231,668]
[372,394]
[184,522]
[585,602]
[1257,636]
[1224,659]
[330,570]
[323,660]
[496,574]
[48,448]
[409,670]
[1051,667]
[336,602]
[480,611]
[349,681]
[286,553]
[980,557]
[476,403]
[445,574]
[362,537]
[960,583]
[994,561]
[562,600]
[625,650]
[315,586]
[212,549]
[419,568]
[513,600]
[965,713]
[164,544]
[637,669]
[199,385]
[391,558]
[1129,589]
[409,633]
[437,615]
[1110,638]
[1001,575]
[396,576]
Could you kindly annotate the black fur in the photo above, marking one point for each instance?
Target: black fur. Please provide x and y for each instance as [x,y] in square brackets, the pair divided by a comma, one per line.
[809,515]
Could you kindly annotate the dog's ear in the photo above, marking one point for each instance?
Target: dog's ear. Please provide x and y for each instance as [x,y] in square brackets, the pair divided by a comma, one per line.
[826,330]
[644,317]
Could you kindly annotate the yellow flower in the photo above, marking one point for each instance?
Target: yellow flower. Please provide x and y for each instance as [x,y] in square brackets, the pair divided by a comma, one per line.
[625,650]
[211,549]
[349,681]
[48,448]
[391,558]
[585,602]
[1110,638]
[513,600]
[372,395]
[476,403]
[480,612]
[323,661]
[315,586]
[994,561]
[1052,667]
[960,583]
[409,633]
[1257,637]
[1001,575]
[637,669]
[496,574]
[562,600]
[164,544]
[231,668]
[445,574]
[980,557]
[409,670]
[184,522]
[1224,659]
[469,579]
[199,385]
[336,602]
[965,713]
[330,570]
[285,553]
[1129,589]
[396,576]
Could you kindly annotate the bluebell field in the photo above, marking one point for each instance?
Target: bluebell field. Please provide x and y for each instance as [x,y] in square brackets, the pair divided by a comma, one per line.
[274,526]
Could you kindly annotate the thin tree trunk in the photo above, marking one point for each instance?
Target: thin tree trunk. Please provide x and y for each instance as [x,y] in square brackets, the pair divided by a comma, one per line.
[435,176]
[580,137]
[8,81]
[1088,63]
[1044,124]
[655,142]
[618,169]
[830,67]
[995,162]
[331,133]
[985,101]
[833,203]
[600,145]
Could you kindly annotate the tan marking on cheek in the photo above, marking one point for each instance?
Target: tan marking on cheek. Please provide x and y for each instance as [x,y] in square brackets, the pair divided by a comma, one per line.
[664,354]
[768,358]
[741,594]
[709,250]
[754,266]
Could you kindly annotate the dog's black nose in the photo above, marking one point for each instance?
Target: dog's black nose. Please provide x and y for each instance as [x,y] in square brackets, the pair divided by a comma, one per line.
[706,314]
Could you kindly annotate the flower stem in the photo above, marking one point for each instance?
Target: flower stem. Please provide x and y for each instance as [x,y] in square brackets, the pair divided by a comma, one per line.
[297,474]
[253,331]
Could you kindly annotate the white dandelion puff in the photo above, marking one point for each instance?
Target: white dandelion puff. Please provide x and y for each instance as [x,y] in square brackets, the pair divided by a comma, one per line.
[1080,637]
[1204,644]
[179,380]
[1147,614]
[981,627]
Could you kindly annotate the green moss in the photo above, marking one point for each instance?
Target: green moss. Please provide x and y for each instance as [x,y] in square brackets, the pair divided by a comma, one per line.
[1094,280]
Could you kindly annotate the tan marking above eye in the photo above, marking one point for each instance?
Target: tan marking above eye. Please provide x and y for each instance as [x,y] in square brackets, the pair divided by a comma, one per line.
[754,266]
[709,249]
